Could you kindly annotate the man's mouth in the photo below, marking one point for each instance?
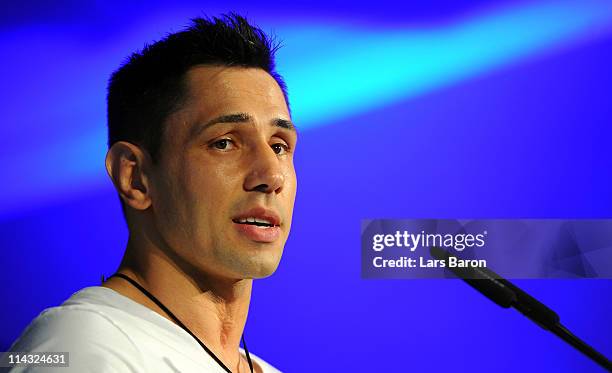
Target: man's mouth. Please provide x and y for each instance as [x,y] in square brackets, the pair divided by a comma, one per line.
[254,221]
[259,225]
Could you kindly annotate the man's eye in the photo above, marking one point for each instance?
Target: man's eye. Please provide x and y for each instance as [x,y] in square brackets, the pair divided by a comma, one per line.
[223,144]
[280,148]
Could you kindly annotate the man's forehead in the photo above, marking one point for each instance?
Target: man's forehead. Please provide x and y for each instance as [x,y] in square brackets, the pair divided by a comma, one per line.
[214,91]
[226,82]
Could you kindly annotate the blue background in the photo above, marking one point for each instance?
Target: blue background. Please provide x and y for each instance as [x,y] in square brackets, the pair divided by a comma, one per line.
[427,110]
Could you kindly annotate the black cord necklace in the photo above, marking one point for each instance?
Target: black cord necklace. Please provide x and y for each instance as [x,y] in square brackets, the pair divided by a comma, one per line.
[179,323]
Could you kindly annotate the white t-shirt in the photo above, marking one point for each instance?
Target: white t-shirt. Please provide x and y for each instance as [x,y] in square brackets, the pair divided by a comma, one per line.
[104,331]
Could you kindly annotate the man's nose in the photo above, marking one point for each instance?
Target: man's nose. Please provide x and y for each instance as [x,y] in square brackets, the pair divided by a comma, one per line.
[265,173]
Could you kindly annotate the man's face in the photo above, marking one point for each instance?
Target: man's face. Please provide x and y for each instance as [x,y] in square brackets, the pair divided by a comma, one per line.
[227,159]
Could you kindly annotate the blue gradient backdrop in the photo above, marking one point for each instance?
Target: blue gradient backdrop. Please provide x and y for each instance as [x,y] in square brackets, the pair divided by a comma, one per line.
[434,109]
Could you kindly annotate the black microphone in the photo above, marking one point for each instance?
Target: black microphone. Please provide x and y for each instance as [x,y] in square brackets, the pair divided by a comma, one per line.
[506,294]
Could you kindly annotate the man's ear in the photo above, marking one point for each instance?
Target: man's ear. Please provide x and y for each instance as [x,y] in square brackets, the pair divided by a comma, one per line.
[125,164]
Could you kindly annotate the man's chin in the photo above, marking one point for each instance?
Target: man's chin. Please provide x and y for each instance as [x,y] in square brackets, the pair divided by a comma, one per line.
[264,273]
[263,269]
[253,261]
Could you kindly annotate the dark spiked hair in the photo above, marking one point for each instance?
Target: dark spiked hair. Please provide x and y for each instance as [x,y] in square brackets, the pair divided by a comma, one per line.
[150,85]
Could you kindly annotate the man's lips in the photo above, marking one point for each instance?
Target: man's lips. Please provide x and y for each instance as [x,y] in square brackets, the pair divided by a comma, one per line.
[259,234]
[258,224]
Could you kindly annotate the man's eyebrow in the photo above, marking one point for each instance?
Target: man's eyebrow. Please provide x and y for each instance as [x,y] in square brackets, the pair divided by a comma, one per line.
[284,123]
[241,118]
[228,118]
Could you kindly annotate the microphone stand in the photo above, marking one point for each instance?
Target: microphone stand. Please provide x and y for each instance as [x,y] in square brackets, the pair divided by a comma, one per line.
[506,294]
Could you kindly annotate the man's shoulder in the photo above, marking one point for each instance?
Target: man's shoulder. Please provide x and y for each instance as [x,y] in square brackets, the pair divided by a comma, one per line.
[83,315]
[83,328]
[72,321]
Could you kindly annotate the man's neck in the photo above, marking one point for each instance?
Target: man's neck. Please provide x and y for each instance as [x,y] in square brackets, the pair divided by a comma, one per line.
[213,309]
